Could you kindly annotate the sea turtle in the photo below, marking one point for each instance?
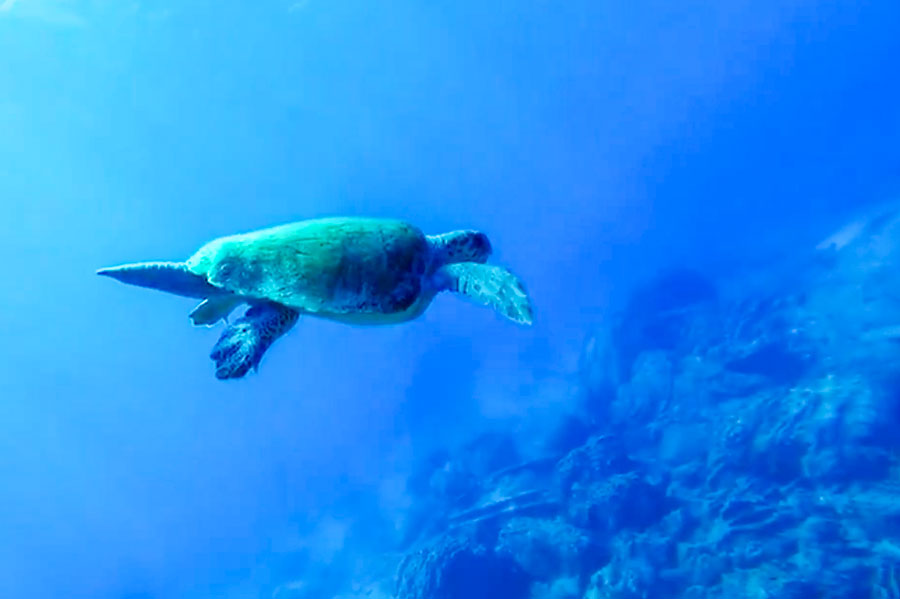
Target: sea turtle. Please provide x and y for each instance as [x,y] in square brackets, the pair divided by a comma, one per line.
[354,270]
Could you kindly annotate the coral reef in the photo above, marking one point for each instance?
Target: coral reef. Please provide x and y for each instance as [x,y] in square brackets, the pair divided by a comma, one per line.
[727,445]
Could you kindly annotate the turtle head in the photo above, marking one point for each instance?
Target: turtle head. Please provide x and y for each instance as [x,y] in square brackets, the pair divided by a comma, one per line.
[461,246]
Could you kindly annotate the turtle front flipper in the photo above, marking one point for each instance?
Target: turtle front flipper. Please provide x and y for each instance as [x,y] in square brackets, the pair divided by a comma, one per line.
[173,277]
[488,285]
[243,343]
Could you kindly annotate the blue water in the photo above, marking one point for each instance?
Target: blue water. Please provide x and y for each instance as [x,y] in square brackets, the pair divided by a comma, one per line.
[595,143]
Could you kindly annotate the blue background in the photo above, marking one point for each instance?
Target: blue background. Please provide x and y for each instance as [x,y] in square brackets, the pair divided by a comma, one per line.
[593,141]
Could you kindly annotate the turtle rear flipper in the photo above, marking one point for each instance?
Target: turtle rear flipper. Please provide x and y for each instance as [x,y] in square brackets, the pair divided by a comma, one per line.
[488,285]
[243,343]
[173,277]
[212,310]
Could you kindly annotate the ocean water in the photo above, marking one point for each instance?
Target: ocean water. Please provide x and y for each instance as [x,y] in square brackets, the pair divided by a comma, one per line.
[705,404]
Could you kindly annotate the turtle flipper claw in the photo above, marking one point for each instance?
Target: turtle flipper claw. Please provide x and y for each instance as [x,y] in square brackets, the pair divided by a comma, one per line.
[243,343]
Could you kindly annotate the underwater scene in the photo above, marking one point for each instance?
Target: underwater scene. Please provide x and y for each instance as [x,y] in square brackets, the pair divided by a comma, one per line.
[343,299]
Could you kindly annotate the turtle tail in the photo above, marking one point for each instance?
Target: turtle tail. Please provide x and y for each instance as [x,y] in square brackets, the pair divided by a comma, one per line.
[172,277]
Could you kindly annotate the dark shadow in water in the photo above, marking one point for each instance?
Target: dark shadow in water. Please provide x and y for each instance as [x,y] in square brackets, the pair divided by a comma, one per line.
[440,400]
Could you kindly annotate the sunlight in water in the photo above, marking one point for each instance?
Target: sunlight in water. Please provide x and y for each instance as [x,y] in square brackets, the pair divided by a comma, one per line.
[472,300]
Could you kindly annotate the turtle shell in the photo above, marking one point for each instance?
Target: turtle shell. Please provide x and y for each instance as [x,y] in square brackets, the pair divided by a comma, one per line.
[333,265]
